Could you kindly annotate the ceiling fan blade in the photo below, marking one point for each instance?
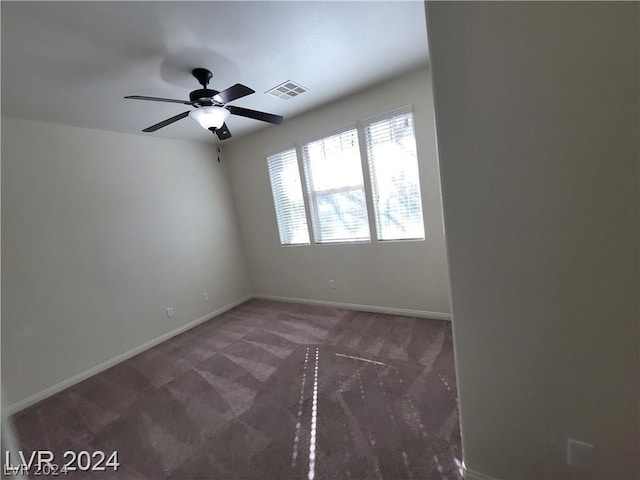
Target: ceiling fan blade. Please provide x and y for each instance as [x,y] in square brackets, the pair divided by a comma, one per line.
[233,93]
[256,115]
[223,132]
[157,99]
[166,122]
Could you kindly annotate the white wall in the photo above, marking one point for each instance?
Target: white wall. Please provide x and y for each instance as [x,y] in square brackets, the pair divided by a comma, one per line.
[402,275]
[100,232]
[538,130]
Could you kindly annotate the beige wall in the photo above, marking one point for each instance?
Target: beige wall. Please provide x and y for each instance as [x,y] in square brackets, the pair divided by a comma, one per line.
[538,125]
[400,275]
[100,232]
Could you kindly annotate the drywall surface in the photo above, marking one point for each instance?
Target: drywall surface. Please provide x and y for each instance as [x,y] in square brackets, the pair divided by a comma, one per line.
[101,232]
[537,121]
[403,275]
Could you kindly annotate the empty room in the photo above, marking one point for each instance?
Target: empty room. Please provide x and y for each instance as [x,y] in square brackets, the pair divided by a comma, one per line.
[320,240]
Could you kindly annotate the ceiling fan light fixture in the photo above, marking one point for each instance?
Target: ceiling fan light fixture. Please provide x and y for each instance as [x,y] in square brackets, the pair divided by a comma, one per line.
[210,117]
[211,112]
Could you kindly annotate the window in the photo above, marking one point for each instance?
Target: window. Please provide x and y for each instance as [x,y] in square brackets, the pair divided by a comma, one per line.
[335,198]
[395,183]
[288,198]
[335,187]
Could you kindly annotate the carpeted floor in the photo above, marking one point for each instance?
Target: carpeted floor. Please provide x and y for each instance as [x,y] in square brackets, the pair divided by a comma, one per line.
[268,390]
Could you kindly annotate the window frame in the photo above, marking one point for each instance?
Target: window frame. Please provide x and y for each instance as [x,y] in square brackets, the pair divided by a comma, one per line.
[362,125]
[312,218]
[311,195]
[274,153]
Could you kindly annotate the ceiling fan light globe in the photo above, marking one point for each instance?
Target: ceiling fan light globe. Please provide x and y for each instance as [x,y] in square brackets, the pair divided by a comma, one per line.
[210,117]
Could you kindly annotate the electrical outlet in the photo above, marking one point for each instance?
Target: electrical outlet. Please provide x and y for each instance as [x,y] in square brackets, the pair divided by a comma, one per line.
[579,454]
[332,284]
[205,295]
[170,312]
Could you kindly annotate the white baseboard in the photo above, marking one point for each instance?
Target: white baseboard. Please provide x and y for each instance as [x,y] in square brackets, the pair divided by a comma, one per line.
[365,308]
[37,397]
[473,475]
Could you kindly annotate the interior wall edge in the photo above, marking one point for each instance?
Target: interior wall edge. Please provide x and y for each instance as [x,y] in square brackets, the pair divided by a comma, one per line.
[58,387]
[404,312]
[469,474]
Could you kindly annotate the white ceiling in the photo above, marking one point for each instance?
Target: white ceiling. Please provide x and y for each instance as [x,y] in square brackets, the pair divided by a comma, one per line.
[73,62]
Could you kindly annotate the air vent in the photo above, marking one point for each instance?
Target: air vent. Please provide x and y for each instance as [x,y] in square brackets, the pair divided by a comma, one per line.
[286,90]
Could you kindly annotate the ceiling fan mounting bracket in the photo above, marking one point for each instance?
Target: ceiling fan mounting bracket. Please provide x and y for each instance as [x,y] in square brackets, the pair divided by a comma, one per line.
[202,75]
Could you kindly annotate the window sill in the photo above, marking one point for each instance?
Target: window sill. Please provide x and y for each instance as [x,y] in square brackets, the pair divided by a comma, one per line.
[402,240]
[345,242]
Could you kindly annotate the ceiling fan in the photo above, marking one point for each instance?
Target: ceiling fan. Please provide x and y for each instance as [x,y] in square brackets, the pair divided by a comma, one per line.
[211,110]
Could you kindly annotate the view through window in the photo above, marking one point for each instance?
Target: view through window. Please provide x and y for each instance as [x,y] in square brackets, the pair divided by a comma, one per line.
[339,205]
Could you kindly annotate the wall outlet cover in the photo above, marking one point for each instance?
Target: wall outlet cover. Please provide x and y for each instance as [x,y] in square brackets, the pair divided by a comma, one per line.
[205,295]
[170,312]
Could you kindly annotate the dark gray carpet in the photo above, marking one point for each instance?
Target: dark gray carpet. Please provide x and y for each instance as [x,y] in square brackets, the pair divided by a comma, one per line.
[268,390]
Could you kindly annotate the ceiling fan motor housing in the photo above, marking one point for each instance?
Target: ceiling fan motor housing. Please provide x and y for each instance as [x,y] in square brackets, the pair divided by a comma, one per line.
[203,96]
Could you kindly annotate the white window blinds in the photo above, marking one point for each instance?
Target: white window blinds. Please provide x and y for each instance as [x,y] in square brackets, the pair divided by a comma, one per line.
[337,201]
[288,198]
[395,183]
